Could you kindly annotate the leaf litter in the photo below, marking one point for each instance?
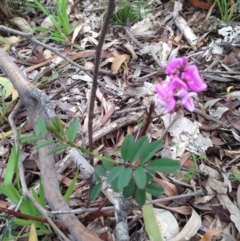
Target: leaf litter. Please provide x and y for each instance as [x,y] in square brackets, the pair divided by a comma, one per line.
[127,88]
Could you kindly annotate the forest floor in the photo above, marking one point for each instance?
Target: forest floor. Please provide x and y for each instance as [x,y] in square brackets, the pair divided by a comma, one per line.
[205,141]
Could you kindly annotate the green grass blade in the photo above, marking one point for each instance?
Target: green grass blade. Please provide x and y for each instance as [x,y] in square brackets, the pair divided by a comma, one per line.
[11,166]
[71,188]
[150,222]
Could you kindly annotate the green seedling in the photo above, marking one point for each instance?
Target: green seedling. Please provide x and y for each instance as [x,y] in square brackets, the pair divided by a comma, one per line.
[60,21]
[190,174]
[14,194]
[130,12]
[235,176]
[195,158]
[125,14]
[226,10]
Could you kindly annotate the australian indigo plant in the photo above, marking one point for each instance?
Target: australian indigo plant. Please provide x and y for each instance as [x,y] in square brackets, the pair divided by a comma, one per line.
[183,82]
[134,173]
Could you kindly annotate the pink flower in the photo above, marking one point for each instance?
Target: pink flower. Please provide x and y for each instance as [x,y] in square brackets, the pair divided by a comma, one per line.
[165,97]
[176,84]
[181,78]
[193,79]
[176,64]
[186,99]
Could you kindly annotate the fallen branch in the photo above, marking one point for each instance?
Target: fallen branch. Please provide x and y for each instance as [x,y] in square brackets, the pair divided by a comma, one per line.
[38,105]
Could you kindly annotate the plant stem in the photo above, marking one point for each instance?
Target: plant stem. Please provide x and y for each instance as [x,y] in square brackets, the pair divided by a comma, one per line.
[110,10]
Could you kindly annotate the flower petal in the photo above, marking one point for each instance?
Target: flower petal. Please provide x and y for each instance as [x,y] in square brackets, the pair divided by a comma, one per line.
[177,83]
[187,101]
[193,78]
[175,64]
[165,97]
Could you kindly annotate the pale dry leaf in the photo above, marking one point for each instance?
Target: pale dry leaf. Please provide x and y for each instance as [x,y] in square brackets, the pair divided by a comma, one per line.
[190,229]
[76,32]
[207,170]
[144,27]
[204,199]
[210,103]
[184,28]
[232,208]
[186,135]
[22,24]
[185,210]
[167,223]
[47,23]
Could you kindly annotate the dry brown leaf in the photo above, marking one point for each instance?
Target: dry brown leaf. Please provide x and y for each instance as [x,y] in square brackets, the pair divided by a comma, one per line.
[118,61]
[106,117]
[169,188]
[185,210]
[3,204]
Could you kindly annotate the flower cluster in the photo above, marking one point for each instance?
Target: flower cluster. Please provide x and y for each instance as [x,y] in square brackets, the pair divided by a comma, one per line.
[182,83]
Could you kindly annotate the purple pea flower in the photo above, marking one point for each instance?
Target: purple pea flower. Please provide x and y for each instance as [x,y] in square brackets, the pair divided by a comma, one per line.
[165,97]
[182,83]
[175,65]
[193,79]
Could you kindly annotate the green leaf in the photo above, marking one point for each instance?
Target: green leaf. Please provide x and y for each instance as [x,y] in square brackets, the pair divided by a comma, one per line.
[7,87]
[154,189]
[164,165]
[40,127]
[150,175]
[128,191]
[41,195]
[137,148]
[44,143]
[140,177]
[58,124]
[150,150]
[126,147]
[100,171]
[58,148]
[114,173]
[73,129]
[124,178]
[140,196]
[114,184]
[22,222]
[12,193]
[11,166]
[107,165]
[54,131]
[32,138]
[95,191]
[70,188]
[150,222]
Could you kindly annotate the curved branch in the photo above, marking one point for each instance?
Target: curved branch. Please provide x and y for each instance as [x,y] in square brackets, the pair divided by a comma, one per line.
[38,105]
